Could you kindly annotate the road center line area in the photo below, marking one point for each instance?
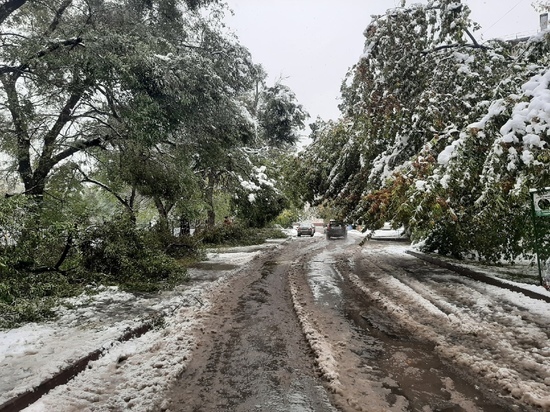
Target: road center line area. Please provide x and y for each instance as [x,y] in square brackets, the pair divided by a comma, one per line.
[253,355]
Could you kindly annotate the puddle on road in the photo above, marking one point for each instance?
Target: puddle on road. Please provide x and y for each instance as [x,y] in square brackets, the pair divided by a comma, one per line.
[412,369]
[297,399]
[324,280]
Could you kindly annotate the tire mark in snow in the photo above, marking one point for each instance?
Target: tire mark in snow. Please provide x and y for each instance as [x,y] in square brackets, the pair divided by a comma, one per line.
[494,338]
[322,348]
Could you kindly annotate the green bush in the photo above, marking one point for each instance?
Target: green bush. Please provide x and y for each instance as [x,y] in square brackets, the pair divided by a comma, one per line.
[273,233]
[130,257]
[267,204]
[113,253]
[30,297]
[224,235]
[287,217]
[30,250]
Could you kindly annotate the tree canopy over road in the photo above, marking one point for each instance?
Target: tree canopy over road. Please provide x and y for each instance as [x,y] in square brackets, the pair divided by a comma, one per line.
[439,133]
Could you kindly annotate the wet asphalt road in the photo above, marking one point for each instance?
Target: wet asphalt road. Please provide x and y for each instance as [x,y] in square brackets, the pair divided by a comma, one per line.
[254,355]
[297,332]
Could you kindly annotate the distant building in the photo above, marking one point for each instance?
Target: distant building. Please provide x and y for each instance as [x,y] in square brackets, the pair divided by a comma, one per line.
[543,22]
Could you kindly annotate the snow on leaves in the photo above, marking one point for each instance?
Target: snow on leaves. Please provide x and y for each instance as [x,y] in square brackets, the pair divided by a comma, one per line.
[443,134]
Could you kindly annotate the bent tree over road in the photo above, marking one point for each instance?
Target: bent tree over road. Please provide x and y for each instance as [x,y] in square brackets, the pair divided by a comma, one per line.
[320,325]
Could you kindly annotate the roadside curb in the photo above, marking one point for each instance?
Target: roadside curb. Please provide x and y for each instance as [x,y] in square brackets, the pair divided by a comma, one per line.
[64,375]
[30,396]
[478,276]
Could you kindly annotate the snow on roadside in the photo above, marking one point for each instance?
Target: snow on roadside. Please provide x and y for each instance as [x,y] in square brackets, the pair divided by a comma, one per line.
[131,374]
[36,352]
[135,373]
[498,334]
[532,272]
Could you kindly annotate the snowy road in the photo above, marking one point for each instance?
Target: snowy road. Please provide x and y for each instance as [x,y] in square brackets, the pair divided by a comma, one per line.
[494,338]
[311,325]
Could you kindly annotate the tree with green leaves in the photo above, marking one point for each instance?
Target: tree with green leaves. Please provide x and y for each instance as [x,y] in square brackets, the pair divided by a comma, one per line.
[439,133]
[106,108]
[270,126]
[76,77]
[280,116]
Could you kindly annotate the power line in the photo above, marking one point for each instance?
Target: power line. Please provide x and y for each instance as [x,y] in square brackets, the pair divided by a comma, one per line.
[505,14]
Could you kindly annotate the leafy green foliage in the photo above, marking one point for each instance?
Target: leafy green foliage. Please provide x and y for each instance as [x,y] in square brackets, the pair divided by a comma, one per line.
[26,297]
[44,258]
[287,217]
[281,116]
[260,207]
[439,133]
[122,254]
[29,288]
[123,121]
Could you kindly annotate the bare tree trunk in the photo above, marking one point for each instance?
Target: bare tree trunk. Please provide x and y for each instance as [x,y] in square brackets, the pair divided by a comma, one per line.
[211,214]
[185,226]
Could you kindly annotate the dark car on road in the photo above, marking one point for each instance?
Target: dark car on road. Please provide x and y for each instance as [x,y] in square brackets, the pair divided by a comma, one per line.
[306,229]
[336,228]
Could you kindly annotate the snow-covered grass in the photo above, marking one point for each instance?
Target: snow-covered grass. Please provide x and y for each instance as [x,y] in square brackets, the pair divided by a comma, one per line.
[521,273]
[135,373]
[130,374]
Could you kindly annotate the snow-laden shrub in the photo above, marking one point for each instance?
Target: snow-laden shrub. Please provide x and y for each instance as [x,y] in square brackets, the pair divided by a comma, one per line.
[122,254]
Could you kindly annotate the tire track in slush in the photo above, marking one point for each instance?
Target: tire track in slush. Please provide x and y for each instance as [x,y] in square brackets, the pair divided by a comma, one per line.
[426,310]
[256,357]
[378,367]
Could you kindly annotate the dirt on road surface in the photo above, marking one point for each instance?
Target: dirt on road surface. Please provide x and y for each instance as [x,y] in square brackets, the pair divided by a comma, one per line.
[253,356]
[319,325]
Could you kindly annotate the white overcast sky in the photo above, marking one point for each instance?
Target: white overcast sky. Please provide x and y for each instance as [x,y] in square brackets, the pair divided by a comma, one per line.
[312,43]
